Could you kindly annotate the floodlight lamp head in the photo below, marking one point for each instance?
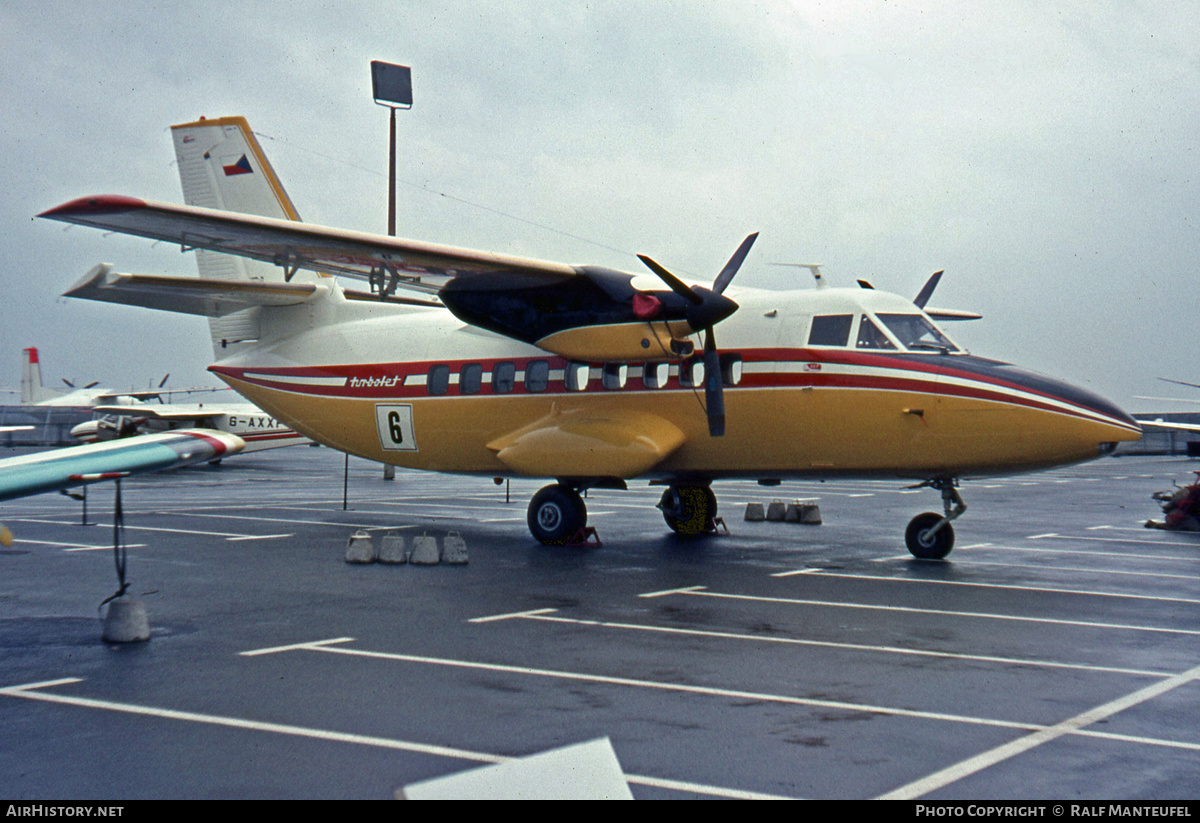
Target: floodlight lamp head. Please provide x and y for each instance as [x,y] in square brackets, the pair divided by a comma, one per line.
[391,85]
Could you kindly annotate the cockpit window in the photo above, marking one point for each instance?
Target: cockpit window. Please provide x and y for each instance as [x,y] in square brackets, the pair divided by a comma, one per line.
[870,337]
[915,331]
[830,330]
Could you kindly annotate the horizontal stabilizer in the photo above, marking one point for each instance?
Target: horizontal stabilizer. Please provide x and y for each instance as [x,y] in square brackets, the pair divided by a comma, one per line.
[190,295]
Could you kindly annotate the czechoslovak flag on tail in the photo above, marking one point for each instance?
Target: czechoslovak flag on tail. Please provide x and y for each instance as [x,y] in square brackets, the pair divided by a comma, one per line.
[242,166]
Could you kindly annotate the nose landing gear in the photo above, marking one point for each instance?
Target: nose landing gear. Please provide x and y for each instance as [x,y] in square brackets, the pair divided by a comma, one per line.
[930,536]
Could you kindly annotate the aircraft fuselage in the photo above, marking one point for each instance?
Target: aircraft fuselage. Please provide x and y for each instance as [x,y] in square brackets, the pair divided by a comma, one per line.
[421,390]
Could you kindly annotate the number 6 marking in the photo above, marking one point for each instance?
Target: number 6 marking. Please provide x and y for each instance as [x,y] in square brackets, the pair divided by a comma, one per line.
[395,427]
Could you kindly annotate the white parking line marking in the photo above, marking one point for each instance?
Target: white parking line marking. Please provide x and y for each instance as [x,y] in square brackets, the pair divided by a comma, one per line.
[33,691]
[1090,624]
[1056,536]
[509,616]
[711,691]
[545,615]
[979,762]
[1007,586]
[666,592]
[1044,551]
[295,646]
[74,547]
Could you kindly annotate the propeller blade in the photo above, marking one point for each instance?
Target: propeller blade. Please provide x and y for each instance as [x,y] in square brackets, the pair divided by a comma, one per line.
[735,263]
[714,387]
[92,385]
[676,285]
[68,382]
[163,382]
[927,290]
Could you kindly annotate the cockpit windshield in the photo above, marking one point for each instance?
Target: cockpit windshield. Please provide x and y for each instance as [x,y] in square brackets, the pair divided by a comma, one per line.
[914,331]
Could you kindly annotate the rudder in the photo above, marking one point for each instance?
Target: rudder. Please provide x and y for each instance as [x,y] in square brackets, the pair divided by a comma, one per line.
[222,166]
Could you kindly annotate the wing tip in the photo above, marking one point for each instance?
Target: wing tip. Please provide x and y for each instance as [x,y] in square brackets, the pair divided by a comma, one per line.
[96,204]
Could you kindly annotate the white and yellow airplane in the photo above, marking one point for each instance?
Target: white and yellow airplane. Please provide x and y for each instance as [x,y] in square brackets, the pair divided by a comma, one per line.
[511,366]
[255,428]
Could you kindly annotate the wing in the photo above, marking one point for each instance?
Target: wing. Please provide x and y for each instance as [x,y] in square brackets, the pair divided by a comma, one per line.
[598,314]
[57,469]
[1163,424]
[164,411]
[389,261]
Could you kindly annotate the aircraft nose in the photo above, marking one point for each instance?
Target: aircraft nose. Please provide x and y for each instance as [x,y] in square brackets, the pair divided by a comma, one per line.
[1041,420]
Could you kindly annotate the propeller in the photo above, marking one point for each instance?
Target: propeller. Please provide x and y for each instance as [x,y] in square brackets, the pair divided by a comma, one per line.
[706,308]
[927,290]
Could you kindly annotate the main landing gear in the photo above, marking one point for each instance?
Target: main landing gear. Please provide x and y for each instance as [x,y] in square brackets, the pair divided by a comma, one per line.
[689,510]
[557,515]
[930,536]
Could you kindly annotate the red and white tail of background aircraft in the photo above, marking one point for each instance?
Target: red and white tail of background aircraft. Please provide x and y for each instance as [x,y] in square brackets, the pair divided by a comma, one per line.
[507,366]
[34,392]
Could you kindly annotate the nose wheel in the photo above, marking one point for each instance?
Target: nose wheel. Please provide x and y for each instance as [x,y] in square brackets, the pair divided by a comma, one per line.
[930,536]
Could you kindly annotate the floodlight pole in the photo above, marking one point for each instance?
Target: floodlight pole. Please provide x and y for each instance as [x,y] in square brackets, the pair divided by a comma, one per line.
[391,86]
[392,177]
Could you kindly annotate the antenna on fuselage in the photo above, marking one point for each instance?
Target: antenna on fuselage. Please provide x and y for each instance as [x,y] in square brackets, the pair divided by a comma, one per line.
[815,268]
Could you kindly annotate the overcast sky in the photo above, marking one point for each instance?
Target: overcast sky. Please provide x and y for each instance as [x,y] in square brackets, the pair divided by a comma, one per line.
[1043,154]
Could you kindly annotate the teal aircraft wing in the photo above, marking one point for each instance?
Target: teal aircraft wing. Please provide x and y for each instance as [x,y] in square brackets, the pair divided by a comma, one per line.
[56,469]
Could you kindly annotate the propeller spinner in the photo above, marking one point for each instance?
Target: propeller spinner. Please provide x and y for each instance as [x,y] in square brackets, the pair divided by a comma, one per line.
[707,308]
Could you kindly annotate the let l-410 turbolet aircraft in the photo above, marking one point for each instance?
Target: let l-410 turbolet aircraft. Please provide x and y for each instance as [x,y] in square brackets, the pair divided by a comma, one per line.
[513,366]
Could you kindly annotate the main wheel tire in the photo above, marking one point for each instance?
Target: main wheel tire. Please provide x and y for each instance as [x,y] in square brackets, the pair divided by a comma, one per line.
[693,516]
[556,514]
[928,546]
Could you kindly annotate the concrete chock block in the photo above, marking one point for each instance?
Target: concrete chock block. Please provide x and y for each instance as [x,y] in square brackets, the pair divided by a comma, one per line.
[126,621]
[392,549]
[454,549]
[361,548]
[424,551]
[799,512]
[754,512]
[776,511]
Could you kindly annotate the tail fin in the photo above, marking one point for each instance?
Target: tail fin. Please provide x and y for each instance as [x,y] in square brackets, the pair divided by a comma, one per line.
[32,390]
[222,166]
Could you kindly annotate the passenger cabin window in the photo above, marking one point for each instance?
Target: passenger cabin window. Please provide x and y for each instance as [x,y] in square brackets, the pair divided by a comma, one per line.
[576,376]
[439,380]
[470,378]
[871,337]
[830,330]
[614,375]
[654,375]
[691,372]
[504,375]
[537,375]
[914,331]
[731,369]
